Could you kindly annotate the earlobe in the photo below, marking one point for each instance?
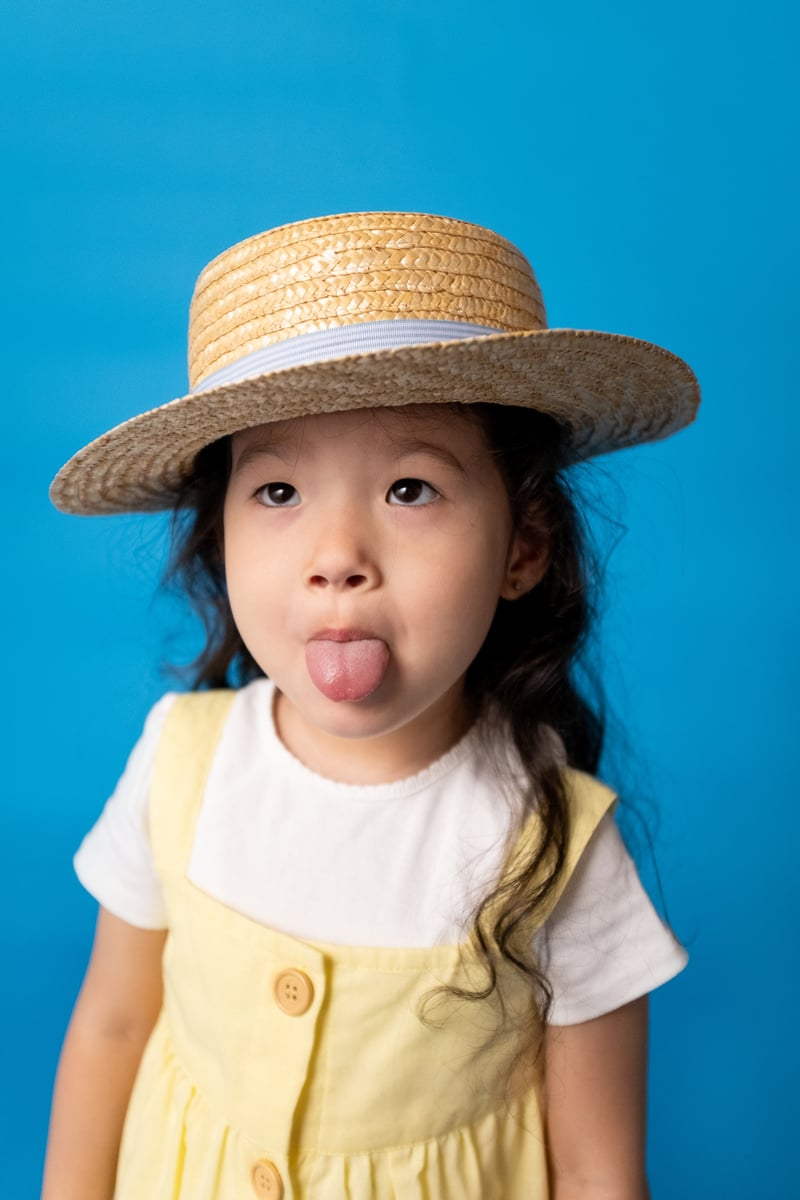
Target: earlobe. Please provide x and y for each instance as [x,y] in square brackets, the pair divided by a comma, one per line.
[528,561]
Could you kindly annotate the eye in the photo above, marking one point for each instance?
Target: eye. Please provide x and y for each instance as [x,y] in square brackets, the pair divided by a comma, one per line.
[411,492]
[278,495]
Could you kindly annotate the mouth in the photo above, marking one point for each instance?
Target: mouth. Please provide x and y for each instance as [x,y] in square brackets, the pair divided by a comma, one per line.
[344,635]
[346,664]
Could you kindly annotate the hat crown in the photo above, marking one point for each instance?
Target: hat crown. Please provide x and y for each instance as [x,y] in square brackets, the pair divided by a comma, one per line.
[354,268]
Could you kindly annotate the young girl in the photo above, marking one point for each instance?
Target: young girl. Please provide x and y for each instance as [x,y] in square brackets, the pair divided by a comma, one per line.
[367,928]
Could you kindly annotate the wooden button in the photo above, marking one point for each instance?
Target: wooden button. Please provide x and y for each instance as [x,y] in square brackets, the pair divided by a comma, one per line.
[266,1180]
[294,992]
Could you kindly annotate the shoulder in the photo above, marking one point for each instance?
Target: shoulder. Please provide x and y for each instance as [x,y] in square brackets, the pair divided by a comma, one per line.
[202,726]
[189,715]
[114,862]
[134,783]
[588,799]
[604,944]
[240,704]
[587,802]
[154,722]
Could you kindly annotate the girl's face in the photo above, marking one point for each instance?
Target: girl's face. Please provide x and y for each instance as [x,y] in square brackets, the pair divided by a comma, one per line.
[365,553]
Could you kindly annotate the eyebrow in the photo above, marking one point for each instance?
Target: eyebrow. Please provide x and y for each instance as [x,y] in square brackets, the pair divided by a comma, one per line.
[286,449]
[265,448]
[408,446]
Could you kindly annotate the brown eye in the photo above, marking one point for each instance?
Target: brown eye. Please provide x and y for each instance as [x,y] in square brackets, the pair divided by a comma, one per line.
[278,495]
[411,493]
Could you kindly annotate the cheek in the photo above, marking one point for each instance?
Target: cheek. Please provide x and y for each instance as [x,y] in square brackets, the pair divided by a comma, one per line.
[248,570]
[234,562]
[459,585]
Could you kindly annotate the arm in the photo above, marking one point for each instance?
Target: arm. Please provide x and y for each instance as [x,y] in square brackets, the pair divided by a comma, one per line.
[113,1017]
[596,1094]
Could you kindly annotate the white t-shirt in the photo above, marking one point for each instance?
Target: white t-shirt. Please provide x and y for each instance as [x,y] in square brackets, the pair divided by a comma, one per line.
[396,864]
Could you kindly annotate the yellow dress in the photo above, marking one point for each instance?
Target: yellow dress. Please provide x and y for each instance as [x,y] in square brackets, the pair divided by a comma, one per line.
[294,1070]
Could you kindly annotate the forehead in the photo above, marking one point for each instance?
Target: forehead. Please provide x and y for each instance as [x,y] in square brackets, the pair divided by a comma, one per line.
[395,428]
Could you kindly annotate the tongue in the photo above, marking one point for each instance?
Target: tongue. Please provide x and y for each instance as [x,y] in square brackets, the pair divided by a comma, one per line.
[347,670]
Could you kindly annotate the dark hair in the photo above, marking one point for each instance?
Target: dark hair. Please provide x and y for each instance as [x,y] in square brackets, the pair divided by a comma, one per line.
[524,675]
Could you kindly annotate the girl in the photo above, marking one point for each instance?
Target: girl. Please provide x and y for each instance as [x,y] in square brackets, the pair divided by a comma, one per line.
[367,928]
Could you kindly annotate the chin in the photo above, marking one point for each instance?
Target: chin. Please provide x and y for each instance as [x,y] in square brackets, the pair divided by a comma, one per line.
[357,719]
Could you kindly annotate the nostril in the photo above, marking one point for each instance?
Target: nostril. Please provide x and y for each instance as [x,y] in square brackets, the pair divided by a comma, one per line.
[348,581]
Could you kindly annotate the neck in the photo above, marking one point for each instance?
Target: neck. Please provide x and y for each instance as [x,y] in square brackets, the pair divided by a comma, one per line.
[385,758]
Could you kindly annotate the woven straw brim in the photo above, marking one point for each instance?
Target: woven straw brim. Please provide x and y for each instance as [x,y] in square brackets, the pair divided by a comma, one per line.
[609,391]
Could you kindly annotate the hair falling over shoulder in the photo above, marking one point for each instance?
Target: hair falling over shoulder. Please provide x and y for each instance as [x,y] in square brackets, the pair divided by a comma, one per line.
[525,674]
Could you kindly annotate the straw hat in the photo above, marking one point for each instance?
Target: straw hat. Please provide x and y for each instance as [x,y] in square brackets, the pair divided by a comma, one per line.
[367,309]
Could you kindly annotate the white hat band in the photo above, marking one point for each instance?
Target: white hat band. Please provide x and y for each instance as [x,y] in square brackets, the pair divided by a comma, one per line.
[322,344]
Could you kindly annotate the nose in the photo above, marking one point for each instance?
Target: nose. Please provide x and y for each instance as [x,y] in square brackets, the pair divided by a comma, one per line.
[343,557]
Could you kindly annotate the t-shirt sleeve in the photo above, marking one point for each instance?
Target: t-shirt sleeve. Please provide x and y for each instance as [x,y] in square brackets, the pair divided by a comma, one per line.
[605,944]
[115,860]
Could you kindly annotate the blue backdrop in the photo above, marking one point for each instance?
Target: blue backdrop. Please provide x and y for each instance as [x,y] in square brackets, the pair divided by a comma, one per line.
[643,157]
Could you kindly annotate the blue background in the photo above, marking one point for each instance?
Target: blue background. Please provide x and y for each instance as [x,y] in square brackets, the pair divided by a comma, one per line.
[644,157]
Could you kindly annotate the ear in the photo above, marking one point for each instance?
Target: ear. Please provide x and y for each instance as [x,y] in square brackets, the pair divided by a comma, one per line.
[528,560]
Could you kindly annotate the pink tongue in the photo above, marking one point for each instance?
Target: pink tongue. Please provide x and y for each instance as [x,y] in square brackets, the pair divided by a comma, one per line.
[347,670]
